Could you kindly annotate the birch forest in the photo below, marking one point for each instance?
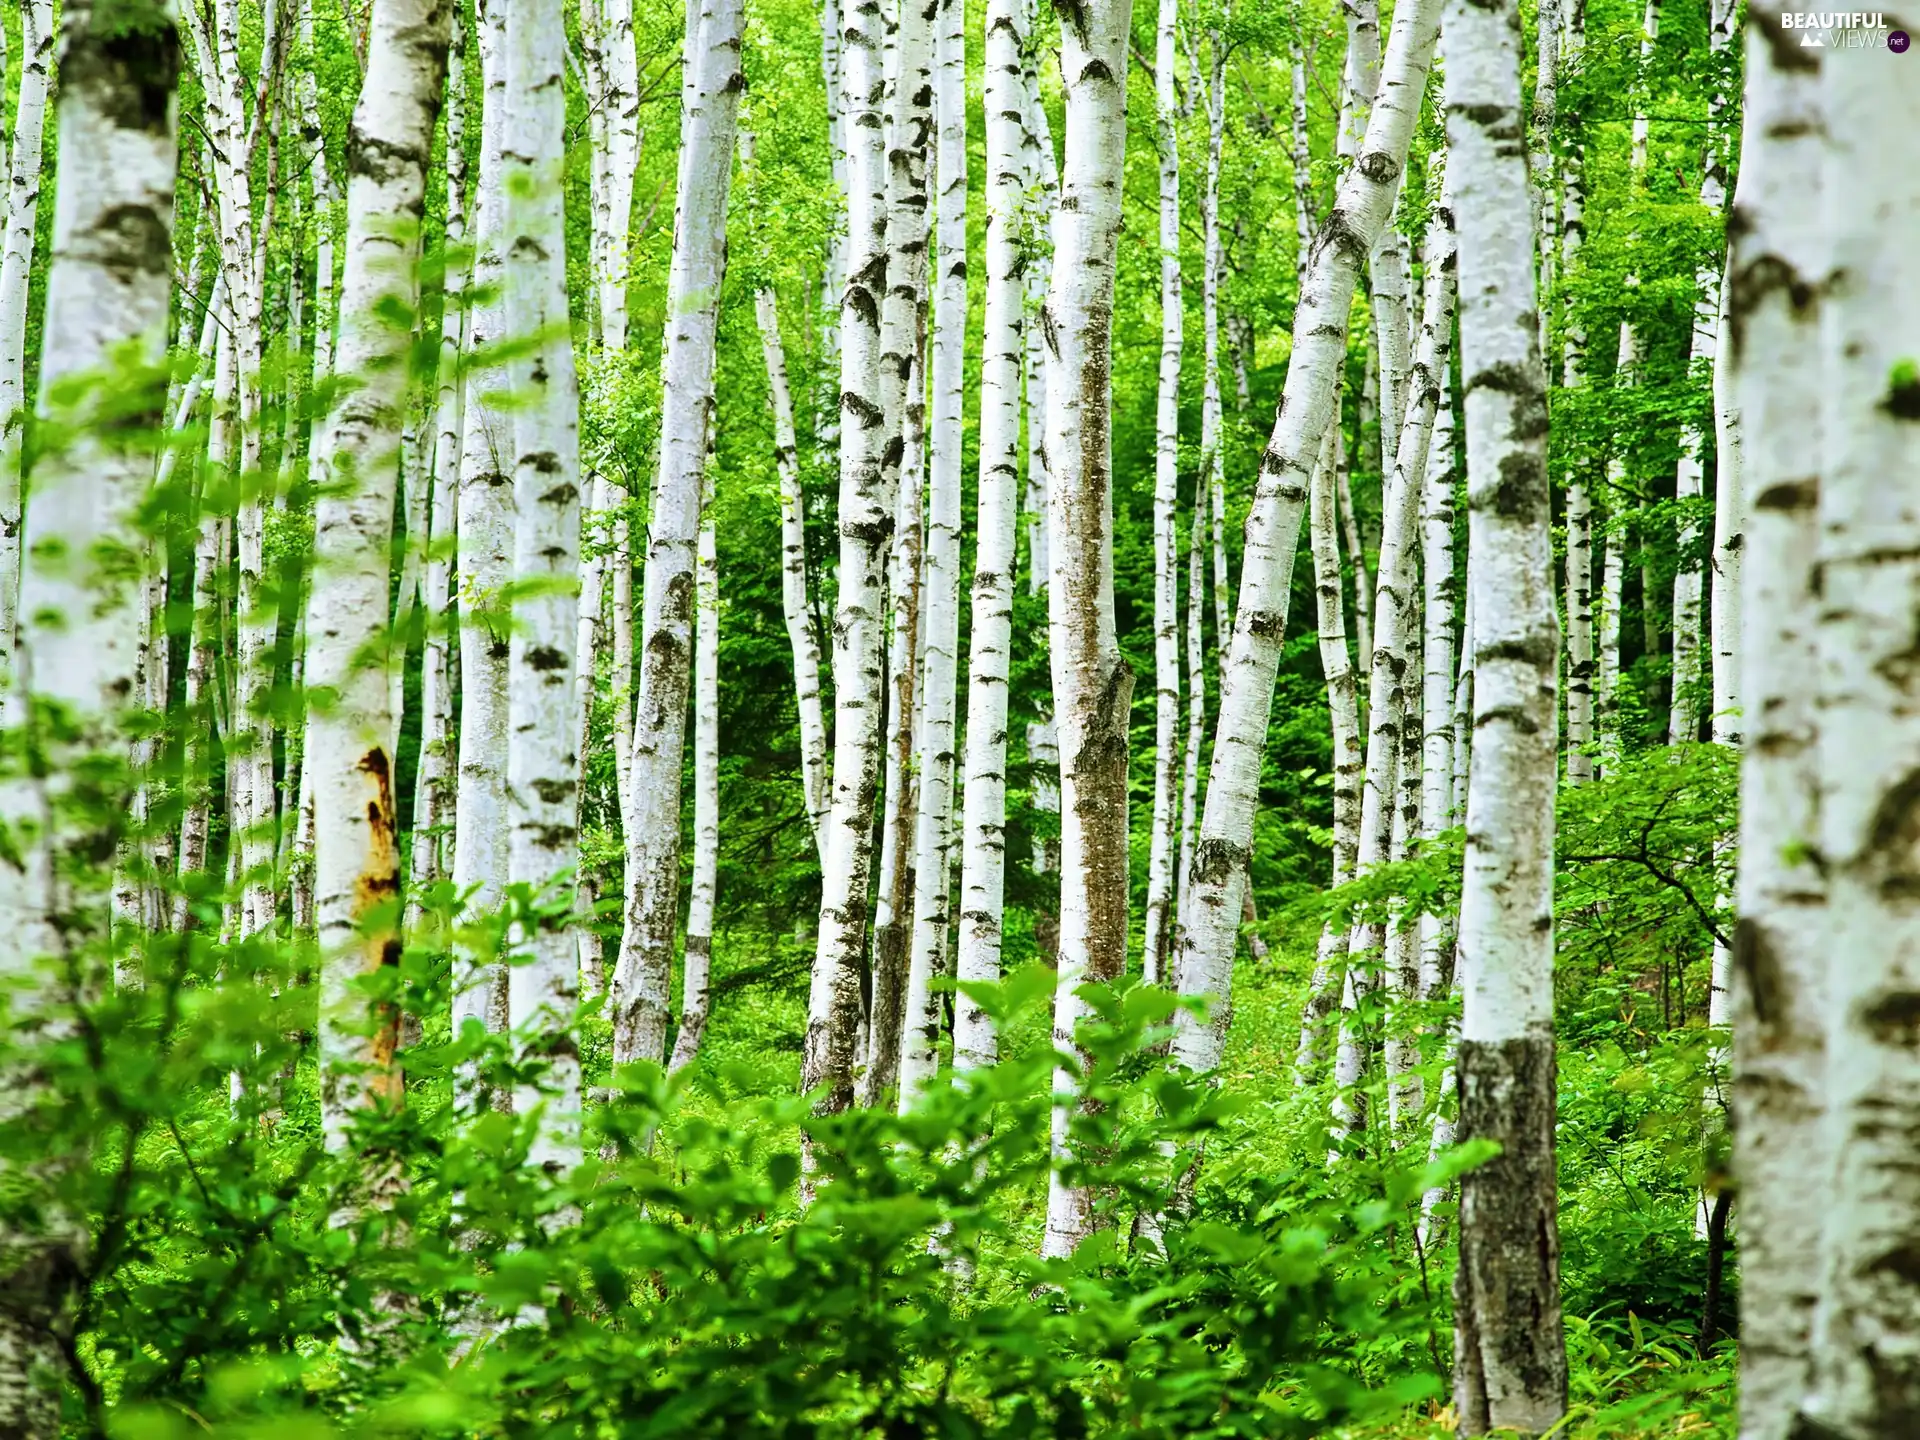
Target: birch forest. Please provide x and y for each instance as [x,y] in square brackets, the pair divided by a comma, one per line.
[969,719]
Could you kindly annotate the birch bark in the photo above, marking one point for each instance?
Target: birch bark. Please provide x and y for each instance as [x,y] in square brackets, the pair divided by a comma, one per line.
[983,842]
[1510,1367]
[1437,744]
[1161,887]
[1779,260]
[933,836]
[20,208]
[696,1003]
[642,980]
[1218,876]
[356,835]
[1092,684]
[543,801]
[81,614]
[1212,470]
[1866,1335]
[865,526]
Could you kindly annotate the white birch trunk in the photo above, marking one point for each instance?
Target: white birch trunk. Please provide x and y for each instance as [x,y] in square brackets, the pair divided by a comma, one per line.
[1779,261]
[1161,887]
[81,615]
[865,525]
[696,1001]
[484,568]
[1212,470]
[1219,874]
[1043,741]
[433,788]
[1729,551]
[356,835]
[983,839]
[1510,1367]
[543,802]
[940,590]
[589,620]
[1437,743]
[1092,684]
[1866,1335]
[643,977]
[20,207]
[1349,761]
[801,636]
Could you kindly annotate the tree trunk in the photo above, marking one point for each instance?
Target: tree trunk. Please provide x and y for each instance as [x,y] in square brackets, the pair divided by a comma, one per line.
[642,982]
[20,207]
[865,526]
[485,561]
[1212,470]
[356,836]
[1092,684]
[1510,1367]
[940,591]
[1438,736]
[1161,887]
[1219,872]
[1867,597]
[1010,166]
[80,626]
[697,996]
[433,784]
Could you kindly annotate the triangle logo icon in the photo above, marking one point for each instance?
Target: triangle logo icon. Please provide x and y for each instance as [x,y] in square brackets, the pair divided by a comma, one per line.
[1812,41]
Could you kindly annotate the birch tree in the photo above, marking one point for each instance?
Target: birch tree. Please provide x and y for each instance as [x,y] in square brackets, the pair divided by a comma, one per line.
[356,835]
[1166,493]
[983,840]
[1579,503]
[1866,568]
[865,526]
[1092,684]
[940,591]
[82,613]
[20,209]
[1510,1367]
[1219,873]
[644,973]
[697,997]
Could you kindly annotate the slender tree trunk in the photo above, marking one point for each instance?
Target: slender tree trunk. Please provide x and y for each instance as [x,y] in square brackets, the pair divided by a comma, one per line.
[1510,1367]
[589,623]
[356,836]
[1579,505]
[1043,742]
[1212,470]
[1438,735]
[542,796]
[865,526]
[1219,872]
[20,208]
[80,624]
[1161,888]
[433,784]
[933,837]
[1010,163]
[485,568]
[1729,552]
[902,480]
[801,635]
[1349,762]
[1092,684]
[697,996]
[643,979]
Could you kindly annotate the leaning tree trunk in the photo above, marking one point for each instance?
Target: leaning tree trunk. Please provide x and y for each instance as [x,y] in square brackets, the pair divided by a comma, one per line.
[1867,632]
[1161,887]
[865,525]
[644,975]
[696,1003]
[543,802]
[356,831]
[983,837]
[1092,684]
[1510,1366]
[1776,287]
[81,624]
[1219,874]
[940,589]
